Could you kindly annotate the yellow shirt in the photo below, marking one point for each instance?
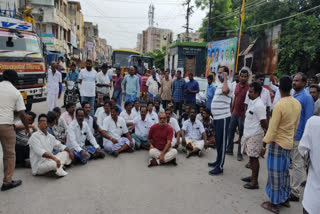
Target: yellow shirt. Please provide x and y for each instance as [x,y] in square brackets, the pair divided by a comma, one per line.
[284,122]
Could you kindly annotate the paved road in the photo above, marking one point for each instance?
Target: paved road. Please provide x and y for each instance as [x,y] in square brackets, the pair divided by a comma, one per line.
[127,185]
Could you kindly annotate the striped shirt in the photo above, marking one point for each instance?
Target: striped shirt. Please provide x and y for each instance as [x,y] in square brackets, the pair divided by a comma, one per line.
[220,106]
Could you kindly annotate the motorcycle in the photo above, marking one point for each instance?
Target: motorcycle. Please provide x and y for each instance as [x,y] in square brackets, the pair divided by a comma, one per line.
[71,94]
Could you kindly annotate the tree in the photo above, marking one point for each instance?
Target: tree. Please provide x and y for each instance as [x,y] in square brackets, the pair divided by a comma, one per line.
[299,48]
[158,56]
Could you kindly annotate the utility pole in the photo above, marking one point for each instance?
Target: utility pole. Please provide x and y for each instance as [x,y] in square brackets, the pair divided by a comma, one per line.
[241,19]
[209,23]
[189,13]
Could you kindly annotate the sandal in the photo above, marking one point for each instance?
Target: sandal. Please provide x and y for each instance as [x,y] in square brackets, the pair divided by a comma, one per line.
[270,207]
[286,204]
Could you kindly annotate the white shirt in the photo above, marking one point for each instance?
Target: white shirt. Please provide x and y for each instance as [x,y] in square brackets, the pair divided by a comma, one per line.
[265,97]
[103,79]
[193,131]
[128,117]
[153,117]
[110,72]
[88,84]
[199,117]
[234,85]
[53,82]
[77,137]
[255,113]
[175,126]
[135,111]
[113,129]
[152,85]
[39,144]
[89,121]
[10,100]
[101,116]
[310,142]
[160,110]
[141,127]
[220,106]
[98,110]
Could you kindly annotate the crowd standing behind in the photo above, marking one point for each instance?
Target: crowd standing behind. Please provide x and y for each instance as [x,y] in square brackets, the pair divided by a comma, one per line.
[170,122]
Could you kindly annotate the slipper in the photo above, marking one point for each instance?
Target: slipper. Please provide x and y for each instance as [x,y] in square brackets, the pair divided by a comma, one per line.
[251,186]
[270,207]
[286,204]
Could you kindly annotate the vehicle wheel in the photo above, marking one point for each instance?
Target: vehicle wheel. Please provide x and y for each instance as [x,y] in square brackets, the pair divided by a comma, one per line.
[28,107]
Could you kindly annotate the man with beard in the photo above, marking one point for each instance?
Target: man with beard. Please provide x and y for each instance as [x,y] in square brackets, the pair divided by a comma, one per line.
[193,135]
[238,113]
[307,104]
[78,132]
[115,127]
[220,109]
[87,79]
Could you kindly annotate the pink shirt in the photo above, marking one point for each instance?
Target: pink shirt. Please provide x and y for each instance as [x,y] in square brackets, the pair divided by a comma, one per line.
[67,117]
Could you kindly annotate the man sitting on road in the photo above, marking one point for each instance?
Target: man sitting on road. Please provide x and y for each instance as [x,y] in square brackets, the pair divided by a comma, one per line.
[103,113]
[159,139]
[115,127]
[136,107]
[78,133]
[114,103]
[128,116]
[193,134]
[157,107]
[141,130]
[176,128]
[22,147]
[41,151]
[97,132]
[151,115]
[68,115]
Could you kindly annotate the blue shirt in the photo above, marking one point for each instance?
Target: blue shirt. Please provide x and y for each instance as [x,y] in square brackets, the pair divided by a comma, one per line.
[72,76]
[210,94]
[193,86]
[132,85]
[307,108]
[178,90]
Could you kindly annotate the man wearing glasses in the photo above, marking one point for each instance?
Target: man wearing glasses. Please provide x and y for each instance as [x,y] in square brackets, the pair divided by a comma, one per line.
[159,140]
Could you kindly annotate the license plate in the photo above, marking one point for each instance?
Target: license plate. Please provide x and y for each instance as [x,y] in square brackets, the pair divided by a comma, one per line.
[24,95]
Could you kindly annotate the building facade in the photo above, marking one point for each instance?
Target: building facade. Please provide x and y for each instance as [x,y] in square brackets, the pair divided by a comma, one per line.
[193,37]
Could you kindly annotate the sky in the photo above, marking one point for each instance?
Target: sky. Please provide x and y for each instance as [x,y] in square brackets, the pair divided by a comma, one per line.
[120,21]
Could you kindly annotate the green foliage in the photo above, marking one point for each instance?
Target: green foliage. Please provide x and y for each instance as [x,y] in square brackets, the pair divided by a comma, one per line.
[300,36]
[158,56]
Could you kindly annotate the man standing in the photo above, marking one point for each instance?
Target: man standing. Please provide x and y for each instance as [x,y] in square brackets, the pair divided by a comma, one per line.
[238,112]
[255,125]
[191,89]
[220,109]
[193,135]
[307,104]
[210,91]
[87,79]
[281,130]
[42,145]
[78,133]
[265,94]
[309,148]
[315,94]
[153,85]
[178,92]
[54,79]
[159,140]
[130,86]
[117,87]
[103,82]
[11,101]
[165,90]
[141,129]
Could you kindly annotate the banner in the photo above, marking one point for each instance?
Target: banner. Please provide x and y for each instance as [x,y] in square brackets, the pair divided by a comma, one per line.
[221,53]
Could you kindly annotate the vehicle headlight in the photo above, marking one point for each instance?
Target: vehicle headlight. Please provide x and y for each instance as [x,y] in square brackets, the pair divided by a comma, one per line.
[40,81]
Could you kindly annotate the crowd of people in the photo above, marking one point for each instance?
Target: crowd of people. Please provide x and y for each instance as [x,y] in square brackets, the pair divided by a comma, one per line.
[278,119]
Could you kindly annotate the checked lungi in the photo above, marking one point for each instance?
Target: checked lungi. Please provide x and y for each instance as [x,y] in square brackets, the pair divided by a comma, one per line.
[278,185]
